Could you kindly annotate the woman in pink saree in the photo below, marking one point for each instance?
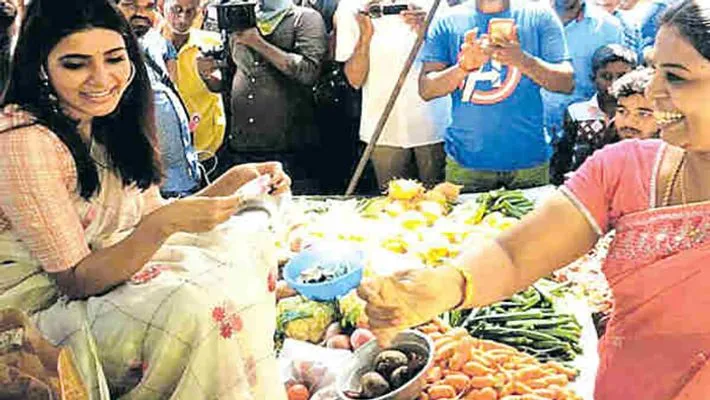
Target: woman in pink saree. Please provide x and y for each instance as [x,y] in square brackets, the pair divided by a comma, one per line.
[655,194]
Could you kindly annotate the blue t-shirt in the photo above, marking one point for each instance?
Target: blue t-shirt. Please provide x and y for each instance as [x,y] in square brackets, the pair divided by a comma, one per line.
[497,114]
[595,29]
[650,18]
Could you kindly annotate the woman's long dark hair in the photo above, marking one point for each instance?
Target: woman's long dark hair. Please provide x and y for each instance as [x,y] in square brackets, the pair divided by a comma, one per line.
[128,133]
[692,19]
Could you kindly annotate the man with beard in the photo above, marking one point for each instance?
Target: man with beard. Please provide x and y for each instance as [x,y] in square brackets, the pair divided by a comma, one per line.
[634,111]
[178,155]
[589,124]
[198,78]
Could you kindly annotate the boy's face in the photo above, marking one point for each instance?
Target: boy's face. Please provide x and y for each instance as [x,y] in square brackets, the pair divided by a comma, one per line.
[634,118]
[607,74]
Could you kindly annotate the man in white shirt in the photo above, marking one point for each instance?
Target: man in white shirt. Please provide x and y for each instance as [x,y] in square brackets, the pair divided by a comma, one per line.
[374,51]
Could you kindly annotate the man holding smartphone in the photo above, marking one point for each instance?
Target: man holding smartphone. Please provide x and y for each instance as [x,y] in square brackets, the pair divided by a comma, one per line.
[374,40]
[492,57]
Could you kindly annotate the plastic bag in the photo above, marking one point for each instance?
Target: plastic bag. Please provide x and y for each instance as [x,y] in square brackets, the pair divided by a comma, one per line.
[314,366]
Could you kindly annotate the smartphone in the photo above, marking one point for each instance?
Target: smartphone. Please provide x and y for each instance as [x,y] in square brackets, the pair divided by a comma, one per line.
[501,30]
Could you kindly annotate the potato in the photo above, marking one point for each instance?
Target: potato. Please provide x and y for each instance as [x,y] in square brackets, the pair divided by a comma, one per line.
[389,360]
[374,385]
[298,392]
[399,376]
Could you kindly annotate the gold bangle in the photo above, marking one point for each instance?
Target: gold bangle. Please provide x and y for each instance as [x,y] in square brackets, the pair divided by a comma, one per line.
[468,290]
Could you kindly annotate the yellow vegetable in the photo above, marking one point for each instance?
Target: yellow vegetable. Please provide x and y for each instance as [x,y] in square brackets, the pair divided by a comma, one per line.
[395,244]
[412,220]
[404,189]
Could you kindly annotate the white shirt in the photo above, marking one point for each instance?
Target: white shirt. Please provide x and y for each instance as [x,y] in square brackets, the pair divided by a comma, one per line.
[413,121]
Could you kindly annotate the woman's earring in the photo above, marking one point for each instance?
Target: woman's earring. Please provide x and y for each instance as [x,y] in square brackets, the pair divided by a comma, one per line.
[47,91]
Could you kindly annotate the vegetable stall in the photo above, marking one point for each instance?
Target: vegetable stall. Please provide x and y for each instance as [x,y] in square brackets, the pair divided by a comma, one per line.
[539,344]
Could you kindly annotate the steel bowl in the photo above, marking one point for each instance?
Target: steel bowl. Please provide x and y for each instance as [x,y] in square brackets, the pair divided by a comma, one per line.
[364,360]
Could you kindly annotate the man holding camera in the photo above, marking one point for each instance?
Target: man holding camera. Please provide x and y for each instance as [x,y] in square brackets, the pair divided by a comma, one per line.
[197,77]
[492,57]
[374,40]
[277,62]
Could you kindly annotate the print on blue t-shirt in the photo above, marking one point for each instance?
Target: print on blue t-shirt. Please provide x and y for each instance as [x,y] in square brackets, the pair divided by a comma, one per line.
[497,115]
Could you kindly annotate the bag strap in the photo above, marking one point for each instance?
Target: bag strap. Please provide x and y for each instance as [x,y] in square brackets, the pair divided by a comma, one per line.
[165,80]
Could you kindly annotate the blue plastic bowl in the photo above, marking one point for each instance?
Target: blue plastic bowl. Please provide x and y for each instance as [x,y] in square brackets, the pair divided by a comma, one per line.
[326,254]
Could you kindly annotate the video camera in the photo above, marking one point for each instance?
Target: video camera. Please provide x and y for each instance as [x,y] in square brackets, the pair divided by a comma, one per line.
[377,10]
[227,17]
[236,15]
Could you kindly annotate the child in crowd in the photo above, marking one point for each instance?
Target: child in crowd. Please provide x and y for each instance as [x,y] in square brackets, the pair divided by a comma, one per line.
[589,124]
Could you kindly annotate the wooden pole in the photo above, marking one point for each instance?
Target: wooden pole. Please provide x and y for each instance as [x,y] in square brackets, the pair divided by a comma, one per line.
[390,103]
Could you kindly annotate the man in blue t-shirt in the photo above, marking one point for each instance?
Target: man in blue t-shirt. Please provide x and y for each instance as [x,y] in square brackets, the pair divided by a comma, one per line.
[496,135]
[587,28]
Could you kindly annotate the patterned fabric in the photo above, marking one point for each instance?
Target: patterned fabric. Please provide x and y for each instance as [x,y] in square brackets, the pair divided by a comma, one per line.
[657,270]
[586,129]
[657,343]
[155,337]
[37,192]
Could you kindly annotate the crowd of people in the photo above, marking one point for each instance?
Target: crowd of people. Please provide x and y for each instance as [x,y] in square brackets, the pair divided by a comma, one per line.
[306,86]
[129,129]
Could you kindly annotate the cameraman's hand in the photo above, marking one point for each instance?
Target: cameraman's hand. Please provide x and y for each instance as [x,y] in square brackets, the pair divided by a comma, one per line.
[365,24]
[414,17]
[206,66]
[195,214]
[248,37]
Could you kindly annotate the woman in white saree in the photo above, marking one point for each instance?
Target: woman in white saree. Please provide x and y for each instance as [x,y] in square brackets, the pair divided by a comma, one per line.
[156,299]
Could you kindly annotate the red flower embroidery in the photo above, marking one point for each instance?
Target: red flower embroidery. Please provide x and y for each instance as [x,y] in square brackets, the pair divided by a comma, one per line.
[218,314]
[236,322]
[225,330]
[144,275]
[272,282]
[147,274]
[229,321]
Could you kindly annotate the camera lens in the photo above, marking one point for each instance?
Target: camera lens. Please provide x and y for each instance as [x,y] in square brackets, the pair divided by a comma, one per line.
[375,11]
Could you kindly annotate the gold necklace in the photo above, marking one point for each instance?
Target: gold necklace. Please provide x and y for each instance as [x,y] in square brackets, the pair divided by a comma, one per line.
[676,177]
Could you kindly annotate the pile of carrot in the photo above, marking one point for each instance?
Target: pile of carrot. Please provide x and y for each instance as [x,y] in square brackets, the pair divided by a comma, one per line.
[467,368]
